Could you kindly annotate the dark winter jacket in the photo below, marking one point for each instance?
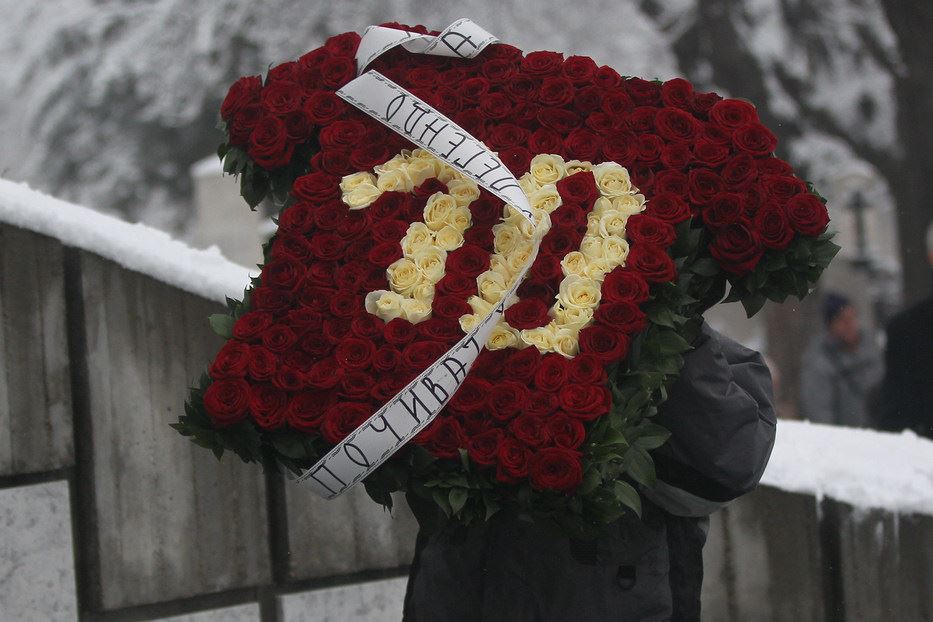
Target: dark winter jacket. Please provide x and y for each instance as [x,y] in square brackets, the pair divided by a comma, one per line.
[722,421]
[907,391]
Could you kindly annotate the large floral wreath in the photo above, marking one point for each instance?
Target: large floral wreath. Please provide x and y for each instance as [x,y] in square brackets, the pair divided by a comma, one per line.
[655,198]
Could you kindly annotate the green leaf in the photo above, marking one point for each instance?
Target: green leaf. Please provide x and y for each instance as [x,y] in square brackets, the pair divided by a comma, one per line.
[458,498]
[705,266]
[254,186]
[639,465]
[291,446]
[753,304]
[377,494]
[222,324]
[627,496]
[670,342]
[591,480]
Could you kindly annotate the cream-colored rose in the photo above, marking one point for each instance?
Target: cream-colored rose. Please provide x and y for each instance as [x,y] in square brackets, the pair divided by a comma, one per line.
[420,170]
[612,179]
[384,305]
[480,307]
[567,342]
[600,207]
[577,166]
[416,238]
[612,222]
[449,238]
[546,198]
[438,209]
[571,318]
[423,291]
[447,173]
[574,262]
[362,196]
[597,269]
[469,321]
[430,263]
[578,291]
[403,275]
[461,218]
[502,336]
[422,154]
[528,184]
[505,237]
[542,337]
[538,226]
[349,182]
[492,285]
[615,249]
[395,181]
[547,168]
[415,310]
[629,204]
[397,162]
[465,191]
[520,255]
[592,247]
[499,263]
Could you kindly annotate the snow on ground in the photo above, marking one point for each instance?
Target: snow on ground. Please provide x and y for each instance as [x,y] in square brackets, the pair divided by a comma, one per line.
[135,246]
[864,468]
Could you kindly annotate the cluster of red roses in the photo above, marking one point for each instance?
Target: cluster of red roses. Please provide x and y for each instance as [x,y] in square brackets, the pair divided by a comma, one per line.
[309,358]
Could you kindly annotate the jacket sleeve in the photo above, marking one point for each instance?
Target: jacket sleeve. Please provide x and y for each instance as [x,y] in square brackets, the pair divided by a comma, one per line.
[721,416]
[816,389]
[898,397]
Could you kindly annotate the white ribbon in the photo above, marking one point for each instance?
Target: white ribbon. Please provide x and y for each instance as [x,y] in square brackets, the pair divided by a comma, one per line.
[415,406]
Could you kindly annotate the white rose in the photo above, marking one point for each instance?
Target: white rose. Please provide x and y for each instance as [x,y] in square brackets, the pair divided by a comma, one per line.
[612,222]
[577,166]
[469,321]
[396,163]
[542,338]
[362,196]
[349,182]
[547,169]
[592,247]
[572,317]
[528,184]
[415,310]
[502,336]
[567,342]
[465,191]
[597,269]
[578,291]
[629,204]
[395,181]
[574,262]
[449,238]
[505,237]
[461,218]
[491,286]
[438,210]
[615,250]
[416,238]
[499,263]
[612,179]
[600,207]
[384,305]
[423,291]
[430,263]
[447,173]
[546,198]
[520,256]
[420,170]
[403,275]
[480,307]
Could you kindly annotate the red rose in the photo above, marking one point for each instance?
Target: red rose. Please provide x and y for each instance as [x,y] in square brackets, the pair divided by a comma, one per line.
[555,92]
[399,331]
[268,299]
[599,122]
[545,140]
[782,187]
[668,207]
[341,134]
[418,355]
[298,359]
[446,437]
[523,364]
[316,187]
[251,324]
[386,358]
[579,69]
[649,148]
[555,468]
[269,146]
[608,345]
[458,285]
[732,113]
[507,135]
[676,155]
[755,138]
[498,70]
[469,260]
[674,182]
[541,403]
[724,209]
[440,329]
[283,273]
[583,144]
[643,92]
[344,44]
[646,229]
[676,125]
[327,246]
[546,267]
[652,262]
[291,245]
[773,226]
[226,401]
[474,89]
[242,93]
[774,166]
[355,353]
[622,285]
[737,249]
[282,97]
[484,447]
[516,159]
[703,185]
[807,215]
[297,218]
[552,373]
[579,188]
[341,419]
[496,106]
[585,401]
[278,338]
[560,120]
[568,216]
[565,431]
[384,254]
[677,93]
[739,171]
[325,374]
[262,363]
[559,242]
[323,107]
[243,123]
[231,361]
[620,147]
[530,313]
[288,378]
[512,458]
[622,316]
[703,102]
[471,396]
[267,406]
[507,398]
[709,153]
[587,369]
[529,429]
[542,63]
[367,156]
[337,71]
[606,77]
[587,100]
[451,307]
[305,411]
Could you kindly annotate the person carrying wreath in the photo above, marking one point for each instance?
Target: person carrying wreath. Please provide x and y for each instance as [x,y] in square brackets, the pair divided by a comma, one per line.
[722,419]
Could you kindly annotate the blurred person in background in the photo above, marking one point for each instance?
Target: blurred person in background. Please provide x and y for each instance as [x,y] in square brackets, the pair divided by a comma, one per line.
[841,369]
[907,391]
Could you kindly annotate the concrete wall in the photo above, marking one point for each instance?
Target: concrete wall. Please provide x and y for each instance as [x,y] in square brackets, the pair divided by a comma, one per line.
[107,514]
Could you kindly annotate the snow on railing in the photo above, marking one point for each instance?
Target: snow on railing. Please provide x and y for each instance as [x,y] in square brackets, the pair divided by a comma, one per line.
[135,246]
[864,468]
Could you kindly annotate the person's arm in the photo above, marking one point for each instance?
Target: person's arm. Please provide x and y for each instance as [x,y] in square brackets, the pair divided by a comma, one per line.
[721,416]
[816,389]
[896,391]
